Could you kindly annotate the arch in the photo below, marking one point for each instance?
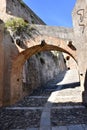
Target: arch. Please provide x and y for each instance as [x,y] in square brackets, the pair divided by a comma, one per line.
[39,44]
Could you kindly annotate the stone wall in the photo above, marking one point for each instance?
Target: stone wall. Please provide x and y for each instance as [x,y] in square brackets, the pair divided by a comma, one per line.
[1,62]
[80,34]
[17,8]
[41,68]
[10,52]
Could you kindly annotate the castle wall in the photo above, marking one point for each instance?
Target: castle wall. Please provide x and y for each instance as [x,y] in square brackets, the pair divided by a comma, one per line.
[16,8]
[80,32]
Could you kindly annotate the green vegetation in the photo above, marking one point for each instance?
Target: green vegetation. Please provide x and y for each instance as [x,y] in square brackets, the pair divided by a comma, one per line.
[16,24]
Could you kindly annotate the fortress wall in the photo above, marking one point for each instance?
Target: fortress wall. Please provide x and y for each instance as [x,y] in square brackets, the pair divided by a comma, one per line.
[17,8]
[80,31]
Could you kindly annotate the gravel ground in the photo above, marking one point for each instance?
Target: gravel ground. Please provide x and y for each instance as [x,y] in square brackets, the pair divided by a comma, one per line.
[67,104]
[68,116]
[31,102]
[40,92]
[19,119]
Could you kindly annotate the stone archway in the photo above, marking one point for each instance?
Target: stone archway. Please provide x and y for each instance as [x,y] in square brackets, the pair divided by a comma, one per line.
[40,43]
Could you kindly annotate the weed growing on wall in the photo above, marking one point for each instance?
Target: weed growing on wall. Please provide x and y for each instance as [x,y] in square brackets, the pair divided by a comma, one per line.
[18,26]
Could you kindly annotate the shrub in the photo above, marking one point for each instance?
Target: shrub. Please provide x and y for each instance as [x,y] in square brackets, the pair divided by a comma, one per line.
[16,24]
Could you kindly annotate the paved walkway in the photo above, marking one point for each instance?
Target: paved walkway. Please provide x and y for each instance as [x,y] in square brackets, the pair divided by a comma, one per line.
[62,96]
[57,107]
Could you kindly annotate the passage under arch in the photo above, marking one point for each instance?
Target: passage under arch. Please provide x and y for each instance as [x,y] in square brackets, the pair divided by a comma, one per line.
[39,44]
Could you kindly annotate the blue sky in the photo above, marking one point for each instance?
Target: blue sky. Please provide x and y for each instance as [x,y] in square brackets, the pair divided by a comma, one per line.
[53,12]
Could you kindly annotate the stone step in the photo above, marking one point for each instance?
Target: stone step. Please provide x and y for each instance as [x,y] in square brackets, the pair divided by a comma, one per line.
[71,127]
[40,92]
[49,106]
[37,97]
[53,107]
[31,102]
[68,127]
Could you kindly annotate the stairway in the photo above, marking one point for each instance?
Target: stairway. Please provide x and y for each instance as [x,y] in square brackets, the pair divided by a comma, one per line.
[56,106]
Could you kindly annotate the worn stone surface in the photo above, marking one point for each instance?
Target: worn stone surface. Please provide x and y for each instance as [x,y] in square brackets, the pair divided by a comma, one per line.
[1,62]
[45,67]
[79,23]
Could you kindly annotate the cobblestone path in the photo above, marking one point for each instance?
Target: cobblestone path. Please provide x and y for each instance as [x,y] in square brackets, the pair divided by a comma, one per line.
[56,106]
